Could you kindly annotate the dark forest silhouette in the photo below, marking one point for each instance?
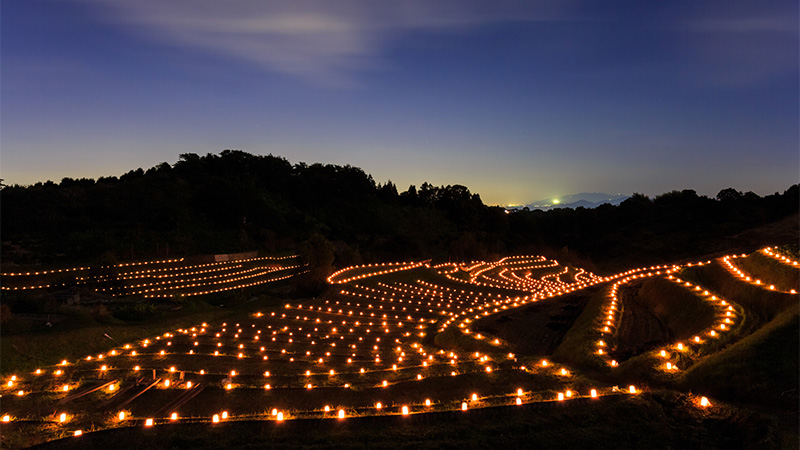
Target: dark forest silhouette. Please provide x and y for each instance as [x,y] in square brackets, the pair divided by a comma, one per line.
[236,201]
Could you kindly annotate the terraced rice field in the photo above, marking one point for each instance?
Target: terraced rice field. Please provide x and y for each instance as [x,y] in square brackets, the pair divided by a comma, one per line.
[390,339]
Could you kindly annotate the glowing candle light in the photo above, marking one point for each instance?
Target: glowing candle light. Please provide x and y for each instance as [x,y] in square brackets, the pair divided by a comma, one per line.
[463,406]
[341,414]
[215,418]
[593,393]
[148,422]
[632,389]
[62,417]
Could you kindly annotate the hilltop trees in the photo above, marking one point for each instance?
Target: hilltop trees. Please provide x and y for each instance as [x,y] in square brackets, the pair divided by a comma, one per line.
[219,202]
[225,202]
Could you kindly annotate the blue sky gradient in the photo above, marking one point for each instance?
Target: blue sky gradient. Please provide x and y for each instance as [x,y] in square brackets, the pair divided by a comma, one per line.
[516,100]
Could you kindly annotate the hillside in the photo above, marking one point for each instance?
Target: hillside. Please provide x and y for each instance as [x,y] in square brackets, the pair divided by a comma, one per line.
[236,202]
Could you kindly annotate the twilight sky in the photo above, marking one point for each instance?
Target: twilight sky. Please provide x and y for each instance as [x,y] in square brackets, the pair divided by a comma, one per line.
[517,100]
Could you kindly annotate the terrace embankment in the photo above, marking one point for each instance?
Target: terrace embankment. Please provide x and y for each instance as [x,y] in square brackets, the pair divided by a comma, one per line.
[770,271]
[536,329]
[761,368]
[657,311]
[760,305]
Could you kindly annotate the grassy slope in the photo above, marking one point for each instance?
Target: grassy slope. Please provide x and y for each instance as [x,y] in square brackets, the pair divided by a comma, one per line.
[770,271]
[762,368]
[577,347]
[760,305]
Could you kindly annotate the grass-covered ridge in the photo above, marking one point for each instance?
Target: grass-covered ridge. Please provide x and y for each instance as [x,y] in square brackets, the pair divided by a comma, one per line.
[760,304]
[770,271]
[762,368]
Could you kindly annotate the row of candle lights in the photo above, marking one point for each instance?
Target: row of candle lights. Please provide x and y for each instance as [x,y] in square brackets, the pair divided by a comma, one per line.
[169,280]
[729,264]
[354,273]
[773,252]
[420,298]
[607,322]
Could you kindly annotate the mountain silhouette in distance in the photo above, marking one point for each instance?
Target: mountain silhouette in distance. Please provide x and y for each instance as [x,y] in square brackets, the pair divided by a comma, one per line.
[584,199]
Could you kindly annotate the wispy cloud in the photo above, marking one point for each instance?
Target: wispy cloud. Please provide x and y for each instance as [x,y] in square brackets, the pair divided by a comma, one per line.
[735,44]
[320,41]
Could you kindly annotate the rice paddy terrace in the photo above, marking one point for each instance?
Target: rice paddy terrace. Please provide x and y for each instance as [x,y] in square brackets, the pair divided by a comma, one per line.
[159,279]
[402,339]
